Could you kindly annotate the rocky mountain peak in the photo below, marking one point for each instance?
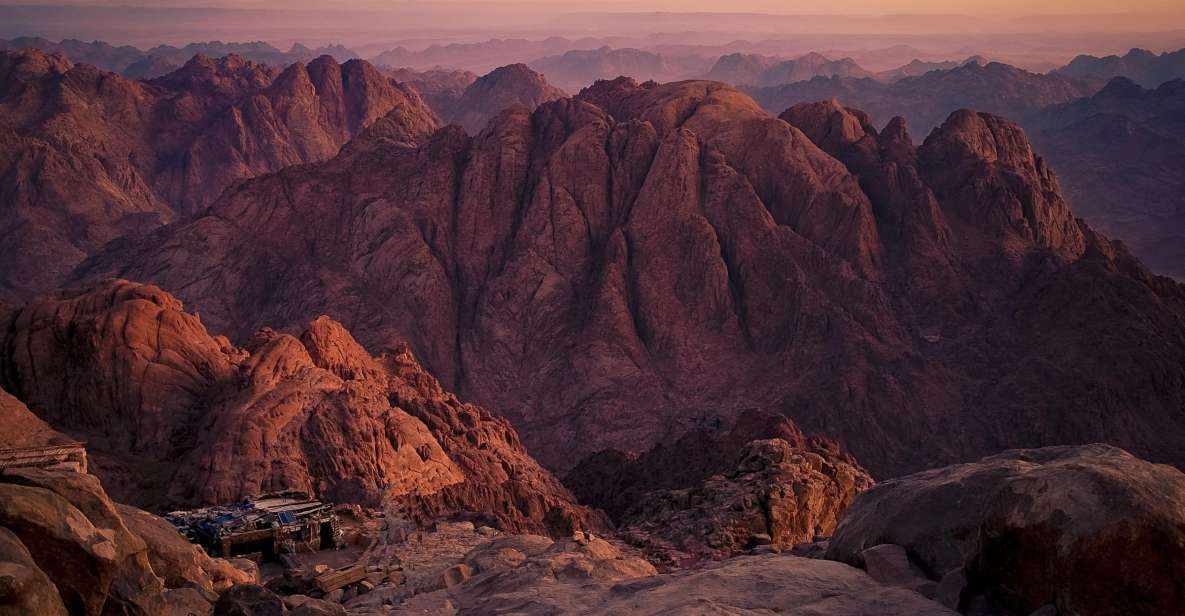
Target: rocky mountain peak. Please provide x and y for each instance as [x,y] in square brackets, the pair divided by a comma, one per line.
[990,174]
[515,85]
[226,76]
[829,124]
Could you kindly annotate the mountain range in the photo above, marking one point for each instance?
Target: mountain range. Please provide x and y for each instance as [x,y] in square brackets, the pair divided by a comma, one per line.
[756,70]
[785,355]
[1139,65]
[162,59]
[612,268]
[926,100]
[1119,156]
[89,156]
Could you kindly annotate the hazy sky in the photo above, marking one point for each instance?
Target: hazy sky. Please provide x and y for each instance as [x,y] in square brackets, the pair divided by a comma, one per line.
[976,7]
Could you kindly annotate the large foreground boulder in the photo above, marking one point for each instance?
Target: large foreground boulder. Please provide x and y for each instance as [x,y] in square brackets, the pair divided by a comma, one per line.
[24,587]
[1090,530]
[65,547]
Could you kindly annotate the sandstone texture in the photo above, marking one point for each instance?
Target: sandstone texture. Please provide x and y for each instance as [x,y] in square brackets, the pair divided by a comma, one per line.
[1089,530]
[67,548]
[521,575]
[776,495]
[90,156]
[173,415]
[613,269]
[716,492]
[23,429]
[505,87]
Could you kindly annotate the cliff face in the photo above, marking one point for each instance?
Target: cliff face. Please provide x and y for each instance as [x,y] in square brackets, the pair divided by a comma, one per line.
[615,267]
[1118,155]
[173,415]
[505,87]
[89,156]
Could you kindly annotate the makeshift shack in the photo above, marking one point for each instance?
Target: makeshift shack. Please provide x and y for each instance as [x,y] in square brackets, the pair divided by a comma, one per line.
[261,528]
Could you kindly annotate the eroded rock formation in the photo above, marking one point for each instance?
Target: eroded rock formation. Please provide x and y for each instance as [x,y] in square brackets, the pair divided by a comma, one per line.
[531,575]
[505,87]
[775,495]
[66,548]
[89,156]
[174,415]
[720,491]
[614,267]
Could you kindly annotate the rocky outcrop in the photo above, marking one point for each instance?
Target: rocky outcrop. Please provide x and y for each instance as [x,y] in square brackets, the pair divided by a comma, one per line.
[983,169]
[125,368]
[71,550]
[612,269]
[1060,526]
[249,600]
[718,491]
[89,157]
[26,588]
[178,562]
[24,429]
[776,495]
[505,87]
[523,575]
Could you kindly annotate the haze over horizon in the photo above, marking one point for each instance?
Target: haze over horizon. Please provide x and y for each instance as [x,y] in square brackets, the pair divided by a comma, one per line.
[999,8]
[1091,27]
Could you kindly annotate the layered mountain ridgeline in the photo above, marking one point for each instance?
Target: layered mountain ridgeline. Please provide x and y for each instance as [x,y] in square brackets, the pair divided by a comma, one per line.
[917,68]
[173,415]
[438,87]
[758,70]
[1119,155]
[505,87]
[615,267]
[89,156]
[926,100]
[1139,65]
[579,68]
[139,64]
[1117,151]
[483,56]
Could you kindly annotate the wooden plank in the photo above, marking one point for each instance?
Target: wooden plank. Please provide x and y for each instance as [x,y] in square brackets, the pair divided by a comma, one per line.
[339,578]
